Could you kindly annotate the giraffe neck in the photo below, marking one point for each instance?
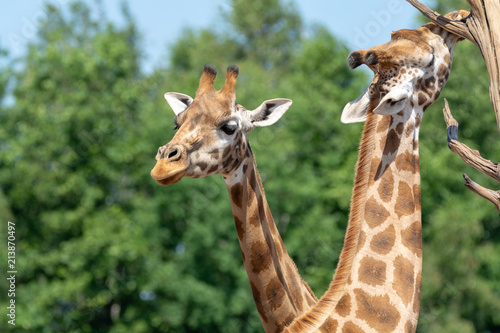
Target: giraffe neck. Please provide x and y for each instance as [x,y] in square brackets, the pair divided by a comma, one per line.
[385,274]
[279,292]
[376,287]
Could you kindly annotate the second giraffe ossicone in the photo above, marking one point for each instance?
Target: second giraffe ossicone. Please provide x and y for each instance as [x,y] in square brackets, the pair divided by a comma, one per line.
[376,288]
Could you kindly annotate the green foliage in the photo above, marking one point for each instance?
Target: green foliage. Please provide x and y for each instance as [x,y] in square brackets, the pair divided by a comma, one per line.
[103,248]
[267,30]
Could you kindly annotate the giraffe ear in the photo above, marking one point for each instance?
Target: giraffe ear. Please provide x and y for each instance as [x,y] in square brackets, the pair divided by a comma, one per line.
[177,101]
[357,110]
[269,112]
[394,101]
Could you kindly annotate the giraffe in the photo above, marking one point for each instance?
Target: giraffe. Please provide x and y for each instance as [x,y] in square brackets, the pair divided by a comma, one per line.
[376,287]
[212,139]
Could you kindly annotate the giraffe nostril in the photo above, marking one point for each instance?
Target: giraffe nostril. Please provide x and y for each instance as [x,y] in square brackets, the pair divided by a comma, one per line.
[371,58]
[354,60]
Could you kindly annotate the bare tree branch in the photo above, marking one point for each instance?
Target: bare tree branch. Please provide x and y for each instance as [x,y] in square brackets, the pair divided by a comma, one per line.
[470,157]
[456,27]
[490,195]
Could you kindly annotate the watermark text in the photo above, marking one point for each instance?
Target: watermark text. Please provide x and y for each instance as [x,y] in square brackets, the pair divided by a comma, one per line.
[11,272]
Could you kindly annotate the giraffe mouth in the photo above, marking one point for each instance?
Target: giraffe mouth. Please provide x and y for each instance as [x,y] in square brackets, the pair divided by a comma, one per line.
[167,177]
[171,179]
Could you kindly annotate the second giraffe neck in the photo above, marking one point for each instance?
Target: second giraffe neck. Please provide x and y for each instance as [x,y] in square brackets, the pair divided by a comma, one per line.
[376,287]
[279,292]
[383,243]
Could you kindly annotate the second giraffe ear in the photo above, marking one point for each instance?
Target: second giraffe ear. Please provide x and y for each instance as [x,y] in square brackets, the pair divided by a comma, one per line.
[357,110]
[177,101]
[269,112]
[394,101]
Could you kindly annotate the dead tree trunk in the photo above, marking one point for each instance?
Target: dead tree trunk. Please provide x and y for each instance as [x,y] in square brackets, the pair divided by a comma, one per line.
[482,27]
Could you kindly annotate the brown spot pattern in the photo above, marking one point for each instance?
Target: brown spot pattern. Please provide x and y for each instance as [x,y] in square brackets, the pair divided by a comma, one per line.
[404,279]
[446,58]
[384,124]
[418,121]
[213,168]
[239,227]
[416,298]
[235,164]
[275,294]
[442,70]
[237,195]
[374,169]
[226,163]
[399,128]
[214,154]
[343,307]
[422,98]
[386,186]
[406,162]
[416,195]
[255,218]
[392,142]
[409,328]
[361,240]
[377,311]
[259,257]
[350,327]
[411,237]
[329,326]
[252,180]
[383,242]
[258,302]
[202,166]
[375,214]
[429,83]
[405,204]
[372,271]
[226,152]
[410,128]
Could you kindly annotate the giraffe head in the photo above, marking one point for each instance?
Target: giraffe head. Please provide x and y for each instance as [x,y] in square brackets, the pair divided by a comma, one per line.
[211,130]
[409,71]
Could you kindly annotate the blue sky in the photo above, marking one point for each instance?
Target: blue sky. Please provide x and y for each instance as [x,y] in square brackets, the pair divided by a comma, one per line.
[359,23]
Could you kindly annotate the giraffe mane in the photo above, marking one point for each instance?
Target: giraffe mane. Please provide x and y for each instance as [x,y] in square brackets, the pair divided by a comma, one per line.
[311,320]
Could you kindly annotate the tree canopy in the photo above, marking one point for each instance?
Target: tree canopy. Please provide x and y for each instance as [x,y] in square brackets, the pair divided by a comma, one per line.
[102,248]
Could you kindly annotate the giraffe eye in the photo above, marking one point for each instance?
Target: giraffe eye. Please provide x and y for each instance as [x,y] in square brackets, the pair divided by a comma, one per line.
[230,127]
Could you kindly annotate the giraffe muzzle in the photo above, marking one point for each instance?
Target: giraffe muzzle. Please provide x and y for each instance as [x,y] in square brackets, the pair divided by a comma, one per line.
[170,166]
[358,58]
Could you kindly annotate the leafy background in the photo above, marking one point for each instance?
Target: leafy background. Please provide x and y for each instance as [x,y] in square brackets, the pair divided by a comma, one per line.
[102,248]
